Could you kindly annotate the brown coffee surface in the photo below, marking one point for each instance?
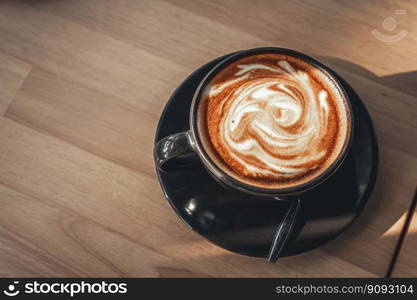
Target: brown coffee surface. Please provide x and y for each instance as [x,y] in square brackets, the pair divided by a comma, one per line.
[273,120]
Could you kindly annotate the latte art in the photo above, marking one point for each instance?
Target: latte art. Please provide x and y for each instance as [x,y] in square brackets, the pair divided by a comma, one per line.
[260,119]
[274,121]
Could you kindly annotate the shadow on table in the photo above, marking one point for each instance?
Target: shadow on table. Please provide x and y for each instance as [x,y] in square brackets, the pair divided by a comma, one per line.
[381,204]
[375,233]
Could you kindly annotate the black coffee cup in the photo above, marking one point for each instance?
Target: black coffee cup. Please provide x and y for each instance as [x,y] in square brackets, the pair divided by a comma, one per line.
[169,149]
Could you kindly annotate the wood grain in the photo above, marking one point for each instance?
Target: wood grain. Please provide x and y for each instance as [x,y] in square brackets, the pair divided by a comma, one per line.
[82,85]
[71,187]
[12,74]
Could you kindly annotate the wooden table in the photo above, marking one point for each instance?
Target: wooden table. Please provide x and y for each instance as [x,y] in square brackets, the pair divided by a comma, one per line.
[82,85]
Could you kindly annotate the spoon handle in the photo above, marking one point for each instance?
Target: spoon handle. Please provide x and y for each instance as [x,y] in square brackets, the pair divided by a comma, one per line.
[284,231]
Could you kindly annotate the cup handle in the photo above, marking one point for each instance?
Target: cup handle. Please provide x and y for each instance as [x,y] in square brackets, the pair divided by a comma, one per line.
[173,146]
[284,231]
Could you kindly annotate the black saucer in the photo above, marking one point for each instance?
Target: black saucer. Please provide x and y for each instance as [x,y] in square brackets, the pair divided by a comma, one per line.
[246,224]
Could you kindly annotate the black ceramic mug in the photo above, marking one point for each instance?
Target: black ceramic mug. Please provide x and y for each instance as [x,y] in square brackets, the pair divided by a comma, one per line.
[169,149]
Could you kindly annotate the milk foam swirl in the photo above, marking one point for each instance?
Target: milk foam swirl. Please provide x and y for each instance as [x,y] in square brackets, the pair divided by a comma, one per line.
[272,126]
